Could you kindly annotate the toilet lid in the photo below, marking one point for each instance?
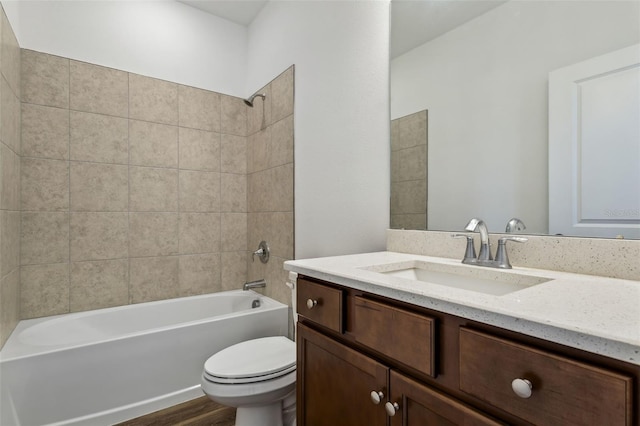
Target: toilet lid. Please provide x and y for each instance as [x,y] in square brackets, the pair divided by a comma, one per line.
[257,360]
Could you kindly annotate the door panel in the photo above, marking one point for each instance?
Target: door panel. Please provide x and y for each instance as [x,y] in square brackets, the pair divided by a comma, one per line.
[421,405]
[335,383]
[594,146]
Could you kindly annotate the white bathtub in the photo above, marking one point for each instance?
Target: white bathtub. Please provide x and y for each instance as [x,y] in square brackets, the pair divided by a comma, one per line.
[109,365]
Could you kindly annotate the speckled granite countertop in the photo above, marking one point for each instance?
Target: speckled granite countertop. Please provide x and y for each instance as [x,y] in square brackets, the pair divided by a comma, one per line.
[595,314]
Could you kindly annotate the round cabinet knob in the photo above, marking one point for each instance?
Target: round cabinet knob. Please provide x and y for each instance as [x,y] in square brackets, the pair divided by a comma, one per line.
[376,397]
[522,387]
[391,408]
[311,303]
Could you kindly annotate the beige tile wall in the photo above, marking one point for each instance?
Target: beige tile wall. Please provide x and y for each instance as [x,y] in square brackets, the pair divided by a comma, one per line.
[9,179]
[270,182]
[135,189]
[409,171]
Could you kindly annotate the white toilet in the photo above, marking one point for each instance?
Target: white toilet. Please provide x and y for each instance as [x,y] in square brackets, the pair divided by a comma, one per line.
[258,377]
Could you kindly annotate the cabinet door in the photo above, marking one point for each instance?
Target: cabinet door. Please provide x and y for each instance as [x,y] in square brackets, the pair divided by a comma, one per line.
[418,405]
[335,383]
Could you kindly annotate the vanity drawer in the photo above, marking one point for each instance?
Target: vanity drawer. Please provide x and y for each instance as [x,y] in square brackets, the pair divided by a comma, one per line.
[321,304]
[563,391]
[403,335]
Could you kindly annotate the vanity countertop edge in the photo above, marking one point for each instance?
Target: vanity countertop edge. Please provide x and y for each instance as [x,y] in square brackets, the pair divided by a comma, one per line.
[595,314]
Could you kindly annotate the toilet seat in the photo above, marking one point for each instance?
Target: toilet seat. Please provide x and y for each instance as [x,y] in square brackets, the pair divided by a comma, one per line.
[252,361]
[253,379]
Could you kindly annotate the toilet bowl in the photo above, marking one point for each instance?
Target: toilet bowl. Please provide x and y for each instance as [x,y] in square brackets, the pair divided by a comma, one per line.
[258,377]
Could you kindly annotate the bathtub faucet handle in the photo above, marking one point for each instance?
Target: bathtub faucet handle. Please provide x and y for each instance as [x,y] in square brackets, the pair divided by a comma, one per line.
[262,252]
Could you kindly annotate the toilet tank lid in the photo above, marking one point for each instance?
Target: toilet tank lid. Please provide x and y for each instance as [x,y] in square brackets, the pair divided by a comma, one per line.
[253,358]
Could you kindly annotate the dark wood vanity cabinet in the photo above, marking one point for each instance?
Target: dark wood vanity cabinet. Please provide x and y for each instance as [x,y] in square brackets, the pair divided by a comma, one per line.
[418,404]
[371,361]
[402,335]
[563,390]
[336,383]
[322,304]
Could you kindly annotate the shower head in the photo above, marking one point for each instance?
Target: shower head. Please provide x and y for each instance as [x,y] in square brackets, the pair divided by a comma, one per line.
[249,102]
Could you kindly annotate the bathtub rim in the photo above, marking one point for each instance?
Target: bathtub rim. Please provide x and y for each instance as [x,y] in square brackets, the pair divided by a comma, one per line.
[137,409]
[9,353]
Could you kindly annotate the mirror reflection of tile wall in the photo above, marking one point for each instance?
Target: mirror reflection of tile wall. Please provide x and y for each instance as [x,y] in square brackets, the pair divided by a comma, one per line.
[409,172]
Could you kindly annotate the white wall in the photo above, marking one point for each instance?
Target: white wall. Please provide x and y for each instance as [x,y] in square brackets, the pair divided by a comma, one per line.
[161,39]
[485,86]
[341,54]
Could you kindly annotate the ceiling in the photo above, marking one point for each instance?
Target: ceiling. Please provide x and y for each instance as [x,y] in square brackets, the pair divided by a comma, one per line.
[413,22]
[239,11]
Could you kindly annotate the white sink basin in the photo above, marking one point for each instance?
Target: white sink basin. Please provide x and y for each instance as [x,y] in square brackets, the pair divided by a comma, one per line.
[473,278]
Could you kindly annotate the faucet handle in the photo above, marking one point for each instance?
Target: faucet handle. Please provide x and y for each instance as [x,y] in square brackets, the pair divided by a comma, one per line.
[456,235]
[470,251]
[502,260]
[512,238]
[262,252]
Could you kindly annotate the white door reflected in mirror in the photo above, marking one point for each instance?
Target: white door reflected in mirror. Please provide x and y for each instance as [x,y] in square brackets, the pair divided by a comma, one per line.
[594,126]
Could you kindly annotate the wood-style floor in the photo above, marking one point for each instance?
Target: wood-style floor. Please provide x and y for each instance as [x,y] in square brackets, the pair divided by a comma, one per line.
[198,412]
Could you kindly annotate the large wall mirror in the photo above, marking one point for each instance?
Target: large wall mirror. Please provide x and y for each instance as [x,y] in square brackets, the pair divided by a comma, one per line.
[470,115]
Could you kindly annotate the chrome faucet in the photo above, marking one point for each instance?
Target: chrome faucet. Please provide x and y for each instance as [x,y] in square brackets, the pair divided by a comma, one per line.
[254,284]
[515,225]
[479,225]
[484,257]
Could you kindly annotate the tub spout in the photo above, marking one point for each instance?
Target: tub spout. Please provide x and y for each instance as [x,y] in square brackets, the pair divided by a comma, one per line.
[254,284]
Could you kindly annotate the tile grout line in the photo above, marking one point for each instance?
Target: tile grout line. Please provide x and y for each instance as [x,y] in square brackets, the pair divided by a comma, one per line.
[220,198]
[69,177]
[19,206]
[129,291]
[179,206]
